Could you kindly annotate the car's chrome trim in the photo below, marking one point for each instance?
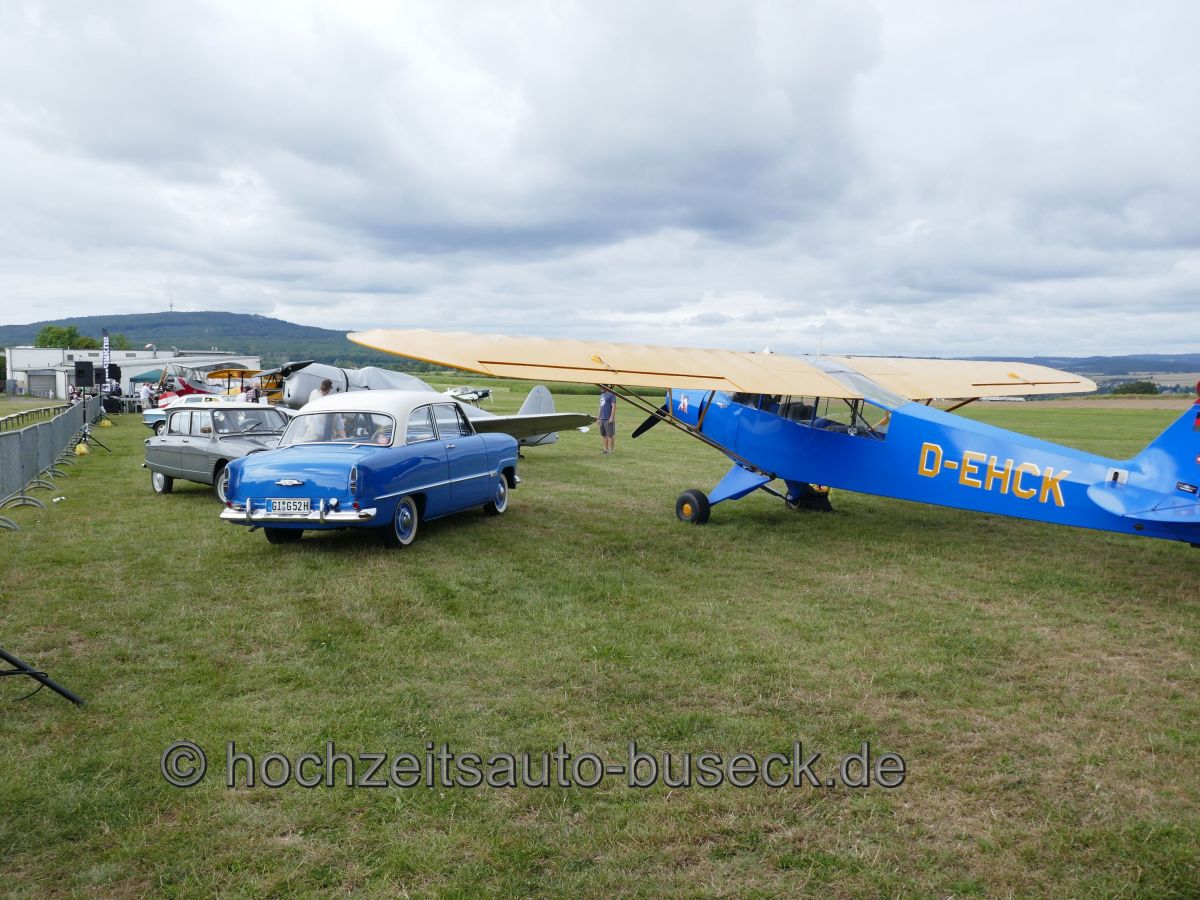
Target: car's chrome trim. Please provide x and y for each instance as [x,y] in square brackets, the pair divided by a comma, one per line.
[435,484]
[321,515]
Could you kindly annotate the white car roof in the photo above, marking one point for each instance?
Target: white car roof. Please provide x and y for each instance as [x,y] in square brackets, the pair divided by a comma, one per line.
[244,405]
[190,399]
[228,404]
[393,403]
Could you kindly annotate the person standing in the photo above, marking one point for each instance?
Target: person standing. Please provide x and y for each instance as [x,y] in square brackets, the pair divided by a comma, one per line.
[144,395]
[323,391]
[607,419]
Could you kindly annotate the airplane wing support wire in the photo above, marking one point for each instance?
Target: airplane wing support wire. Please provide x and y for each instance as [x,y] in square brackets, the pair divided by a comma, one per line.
[641,403]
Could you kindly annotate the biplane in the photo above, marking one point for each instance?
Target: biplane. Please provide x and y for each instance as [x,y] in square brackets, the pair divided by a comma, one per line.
[178,381]
[232,381]
[862,424]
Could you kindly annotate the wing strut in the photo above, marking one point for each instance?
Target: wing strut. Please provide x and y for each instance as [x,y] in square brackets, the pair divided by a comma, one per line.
[960,405]
[640,402]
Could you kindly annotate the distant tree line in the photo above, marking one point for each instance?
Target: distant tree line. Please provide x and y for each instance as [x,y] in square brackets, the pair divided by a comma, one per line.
[1136,387]
[203,330]
[68,338]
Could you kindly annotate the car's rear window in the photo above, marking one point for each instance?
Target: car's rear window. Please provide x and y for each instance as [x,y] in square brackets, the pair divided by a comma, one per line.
[339,428]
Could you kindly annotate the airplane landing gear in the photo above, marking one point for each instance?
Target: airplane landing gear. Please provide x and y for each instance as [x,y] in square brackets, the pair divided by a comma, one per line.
[812,497]
[692,507]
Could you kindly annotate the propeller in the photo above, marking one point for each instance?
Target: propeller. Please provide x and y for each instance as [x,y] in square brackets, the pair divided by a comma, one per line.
[655,417]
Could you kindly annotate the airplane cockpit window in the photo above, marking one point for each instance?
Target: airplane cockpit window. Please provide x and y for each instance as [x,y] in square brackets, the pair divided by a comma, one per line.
[854,417]
[798,409]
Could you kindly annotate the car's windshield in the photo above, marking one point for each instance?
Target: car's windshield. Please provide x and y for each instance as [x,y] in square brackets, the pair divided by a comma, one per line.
[339,427]
[257,421]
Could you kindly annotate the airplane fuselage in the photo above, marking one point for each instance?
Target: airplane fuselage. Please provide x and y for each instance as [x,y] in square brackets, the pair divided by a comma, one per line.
[932,456]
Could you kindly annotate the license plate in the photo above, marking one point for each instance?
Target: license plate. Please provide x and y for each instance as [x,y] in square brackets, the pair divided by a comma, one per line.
[288,505]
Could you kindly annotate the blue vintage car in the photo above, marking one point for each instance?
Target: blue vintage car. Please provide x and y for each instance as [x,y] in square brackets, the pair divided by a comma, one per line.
[371,459]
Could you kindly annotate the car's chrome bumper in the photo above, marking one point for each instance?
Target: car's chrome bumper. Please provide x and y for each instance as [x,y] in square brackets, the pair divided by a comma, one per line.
[322,515]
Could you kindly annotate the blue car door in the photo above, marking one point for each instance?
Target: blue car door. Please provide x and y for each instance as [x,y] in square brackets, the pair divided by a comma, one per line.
[466,457]
[426,467]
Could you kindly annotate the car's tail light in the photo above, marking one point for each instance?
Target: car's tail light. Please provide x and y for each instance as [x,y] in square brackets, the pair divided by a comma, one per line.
[354,479]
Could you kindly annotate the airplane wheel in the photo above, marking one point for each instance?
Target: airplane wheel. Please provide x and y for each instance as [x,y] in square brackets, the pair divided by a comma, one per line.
[404,526]
[813,497]
[499,502]
[283,535]
[161,483]
[692,507]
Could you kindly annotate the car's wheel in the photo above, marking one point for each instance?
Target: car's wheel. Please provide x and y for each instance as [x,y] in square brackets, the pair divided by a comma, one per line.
[283,535]
[405,523]
[692,507]
[499,502]
[221,482]
[161,483]
[159,426]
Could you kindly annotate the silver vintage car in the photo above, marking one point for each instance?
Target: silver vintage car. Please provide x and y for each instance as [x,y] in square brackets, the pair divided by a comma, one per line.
[198,442]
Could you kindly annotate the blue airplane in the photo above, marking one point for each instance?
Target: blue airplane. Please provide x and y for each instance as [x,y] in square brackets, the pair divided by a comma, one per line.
[856,423]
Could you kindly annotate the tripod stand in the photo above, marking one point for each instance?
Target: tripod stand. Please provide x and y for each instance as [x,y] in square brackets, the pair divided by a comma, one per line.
[23,668]
[103,412]
[88,438]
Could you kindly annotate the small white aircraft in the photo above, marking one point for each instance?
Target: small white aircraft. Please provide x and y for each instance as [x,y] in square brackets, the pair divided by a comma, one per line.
[536,424]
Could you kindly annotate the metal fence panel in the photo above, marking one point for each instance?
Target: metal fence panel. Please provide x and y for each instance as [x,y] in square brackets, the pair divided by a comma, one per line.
[28,452]
[61,431]
[10,464]
[46,454]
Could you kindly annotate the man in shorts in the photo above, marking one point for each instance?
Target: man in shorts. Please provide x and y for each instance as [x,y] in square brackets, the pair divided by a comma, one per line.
[607,419]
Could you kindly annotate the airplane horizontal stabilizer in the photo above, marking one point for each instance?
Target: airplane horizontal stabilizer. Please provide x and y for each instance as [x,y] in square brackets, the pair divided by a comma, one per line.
[1139,503]
[528,425]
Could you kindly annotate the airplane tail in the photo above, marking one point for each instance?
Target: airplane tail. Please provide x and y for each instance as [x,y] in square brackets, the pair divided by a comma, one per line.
[538,401]
[1175,454]
[1162,483]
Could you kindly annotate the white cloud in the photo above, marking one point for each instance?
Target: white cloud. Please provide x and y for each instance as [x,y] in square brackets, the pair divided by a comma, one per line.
[929,177]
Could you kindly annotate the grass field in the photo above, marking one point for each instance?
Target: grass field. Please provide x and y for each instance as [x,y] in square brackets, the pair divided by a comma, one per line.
[1041,684]
[10,404]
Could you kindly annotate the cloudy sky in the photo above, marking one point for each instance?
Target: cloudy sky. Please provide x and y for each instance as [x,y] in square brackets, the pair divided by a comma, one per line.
[927,177]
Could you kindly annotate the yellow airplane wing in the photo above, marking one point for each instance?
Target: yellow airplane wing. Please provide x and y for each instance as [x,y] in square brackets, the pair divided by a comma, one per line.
[223,374]
[643,365]
[589,362]
[961,379]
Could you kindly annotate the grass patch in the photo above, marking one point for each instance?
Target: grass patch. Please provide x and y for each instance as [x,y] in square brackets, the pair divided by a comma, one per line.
[1041,683]
[10,404]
